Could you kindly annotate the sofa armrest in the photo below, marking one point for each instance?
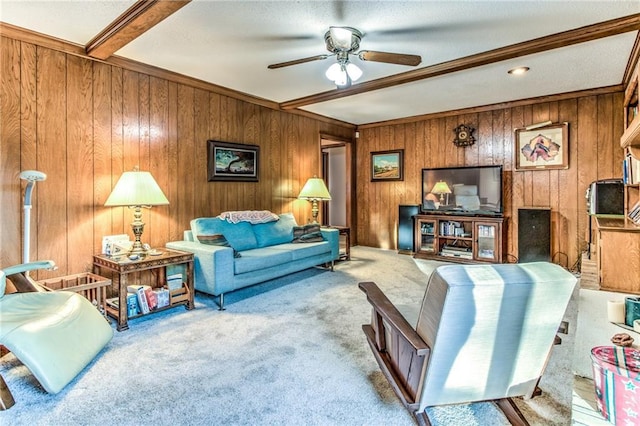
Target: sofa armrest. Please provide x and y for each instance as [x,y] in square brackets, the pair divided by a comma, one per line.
[213,266]
[332,236]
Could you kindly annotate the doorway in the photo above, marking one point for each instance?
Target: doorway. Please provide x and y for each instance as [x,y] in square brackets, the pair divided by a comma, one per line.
[337,173]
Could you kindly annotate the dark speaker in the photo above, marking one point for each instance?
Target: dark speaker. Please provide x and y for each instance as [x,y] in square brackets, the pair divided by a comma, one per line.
[606,197]
[534,235]
[405,228]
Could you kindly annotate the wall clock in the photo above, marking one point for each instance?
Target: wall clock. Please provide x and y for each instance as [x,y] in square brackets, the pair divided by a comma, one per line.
[464,136]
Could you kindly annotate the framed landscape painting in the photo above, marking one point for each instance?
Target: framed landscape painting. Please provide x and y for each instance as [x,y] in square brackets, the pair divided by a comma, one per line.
[232,162]
[542,148]
[387,165]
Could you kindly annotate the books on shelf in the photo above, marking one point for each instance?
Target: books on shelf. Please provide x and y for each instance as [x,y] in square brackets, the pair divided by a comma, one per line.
[132,304]
[142,299]
[162,295]
[634,213]
[452,228]
[139,291]
[152,298]
[630,170]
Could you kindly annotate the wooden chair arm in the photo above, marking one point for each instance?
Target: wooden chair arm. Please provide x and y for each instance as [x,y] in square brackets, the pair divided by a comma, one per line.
[393,317]
[400,352]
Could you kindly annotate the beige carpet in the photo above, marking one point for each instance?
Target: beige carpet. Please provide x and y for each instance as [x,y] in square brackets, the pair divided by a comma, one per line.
[286,352]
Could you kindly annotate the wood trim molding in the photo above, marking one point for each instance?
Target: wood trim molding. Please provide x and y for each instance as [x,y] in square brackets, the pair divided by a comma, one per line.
[633,61]
[502,105]
[538,45]
[135,21]
[28,36]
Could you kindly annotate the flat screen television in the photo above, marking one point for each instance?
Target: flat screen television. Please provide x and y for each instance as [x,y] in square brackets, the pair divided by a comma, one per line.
[463,190]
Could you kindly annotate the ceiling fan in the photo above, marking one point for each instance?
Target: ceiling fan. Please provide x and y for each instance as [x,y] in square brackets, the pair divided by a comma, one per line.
[345,41]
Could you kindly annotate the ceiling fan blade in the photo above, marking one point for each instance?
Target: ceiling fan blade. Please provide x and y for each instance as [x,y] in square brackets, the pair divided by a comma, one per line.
[390,58]
[297,61]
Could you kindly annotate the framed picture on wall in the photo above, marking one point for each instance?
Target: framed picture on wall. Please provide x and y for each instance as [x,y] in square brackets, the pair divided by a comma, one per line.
[228,161]
[387,165]
[542,148]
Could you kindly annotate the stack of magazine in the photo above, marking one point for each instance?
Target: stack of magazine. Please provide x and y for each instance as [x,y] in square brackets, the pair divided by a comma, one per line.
[142,299]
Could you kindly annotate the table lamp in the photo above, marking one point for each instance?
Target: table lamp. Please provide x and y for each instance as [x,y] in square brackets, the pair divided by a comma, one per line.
[315,190]
[441,188]
[135,190]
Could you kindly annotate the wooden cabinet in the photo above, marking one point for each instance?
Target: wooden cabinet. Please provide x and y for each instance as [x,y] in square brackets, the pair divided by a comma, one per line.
[618,255]
[631,137]
[464,239]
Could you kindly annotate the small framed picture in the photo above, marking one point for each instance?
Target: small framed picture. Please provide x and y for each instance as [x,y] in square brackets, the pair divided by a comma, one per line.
[232,162]
[387,165]
[542,148]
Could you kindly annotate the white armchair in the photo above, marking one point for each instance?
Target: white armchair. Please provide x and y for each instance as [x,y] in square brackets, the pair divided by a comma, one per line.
[53,333]
[484,333]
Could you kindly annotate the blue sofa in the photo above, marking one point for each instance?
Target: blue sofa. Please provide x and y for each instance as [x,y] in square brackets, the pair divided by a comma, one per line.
[262,252]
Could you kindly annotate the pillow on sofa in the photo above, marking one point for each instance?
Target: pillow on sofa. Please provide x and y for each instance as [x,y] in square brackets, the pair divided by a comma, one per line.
[217,240]
[279,232]
[307,234]
[240,235]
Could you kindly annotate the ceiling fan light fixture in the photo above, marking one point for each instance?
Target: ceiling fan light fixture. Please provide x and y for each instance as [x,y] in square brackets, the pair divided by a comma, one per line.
[343,73]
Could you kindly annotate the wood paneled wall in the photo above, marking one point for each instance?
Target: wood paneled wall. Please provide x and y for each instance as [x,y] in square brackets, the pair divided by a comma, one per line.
[84,122]
[595,127]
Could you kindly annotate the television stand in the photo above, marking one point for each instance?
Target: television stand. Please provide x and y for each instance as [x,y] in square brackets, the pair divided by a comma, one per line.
[459,238]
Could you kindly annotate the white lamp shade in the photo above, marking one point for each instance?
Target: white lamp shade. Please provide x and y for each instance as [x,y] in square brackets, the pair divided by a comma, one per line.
[342,79]
[136,189]
[341,37]
[354,72]
[333,72]
[315,189]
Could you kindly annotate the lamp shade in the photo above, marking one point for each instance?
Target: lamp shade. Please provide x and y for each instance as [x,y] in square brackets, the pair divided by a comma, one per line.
[342,37]
[136,189]
[441,188]
[314,189]
[354,72]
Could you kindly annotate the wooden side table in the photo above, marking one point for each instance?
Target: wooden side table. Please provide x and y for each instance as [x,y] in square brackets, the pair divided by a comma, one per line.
[120,267]
[346,231]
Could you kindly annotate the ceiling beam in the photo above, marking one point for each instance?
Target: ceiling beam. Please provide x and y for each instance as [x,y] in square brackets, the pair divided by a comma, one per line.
[542,44]
[142,16]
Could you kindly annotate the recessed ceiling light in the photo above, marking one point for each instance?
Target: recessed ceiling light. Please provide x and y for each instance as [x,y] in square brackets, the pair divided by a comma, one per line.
[518,70]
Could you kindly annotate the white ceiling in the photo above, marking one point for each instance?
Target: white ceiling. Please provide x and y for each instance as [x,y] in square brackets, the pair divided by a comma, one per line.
[230,43]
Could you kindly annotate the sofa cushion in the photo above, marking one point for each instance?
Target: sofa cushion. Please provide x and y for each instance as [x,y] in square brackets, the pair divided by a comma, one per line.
[217,240]
[240,235]
[307,234]
[260,258]
[278,232]
[302,251]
